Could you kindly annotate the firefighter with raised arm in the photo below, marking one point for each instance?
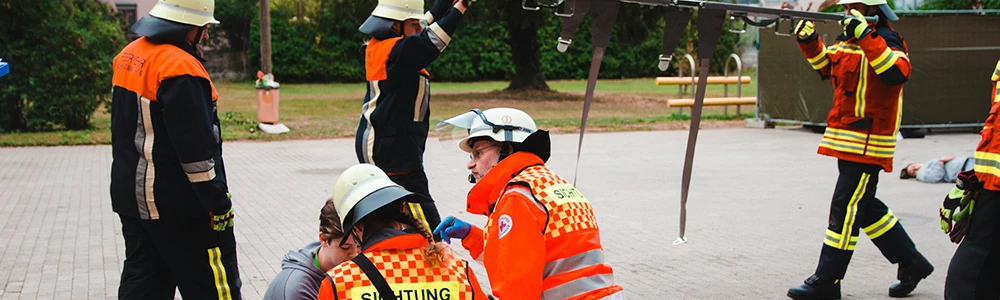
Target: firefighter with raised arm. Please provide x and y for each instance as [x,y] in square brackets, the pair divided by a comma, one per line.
[168,180]
[970,215]
[392,130]
[541,239]
[867,68]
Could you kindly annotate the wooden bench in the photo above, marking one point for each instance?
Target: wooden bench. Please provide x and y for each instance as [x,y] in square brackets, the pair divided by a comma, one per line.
[713,101]
[711,80]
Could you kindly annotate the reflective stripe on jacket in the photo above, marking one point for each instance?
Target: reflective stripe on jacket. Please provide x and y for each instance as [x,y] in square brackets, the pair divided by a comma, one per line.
[392,130]
[165,134]
[988,150]
[541,240]
[867,75]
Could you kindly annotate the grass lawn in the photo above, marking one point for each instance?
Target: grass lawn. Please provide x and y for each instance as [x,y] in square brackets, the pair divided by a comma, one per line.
[332,110]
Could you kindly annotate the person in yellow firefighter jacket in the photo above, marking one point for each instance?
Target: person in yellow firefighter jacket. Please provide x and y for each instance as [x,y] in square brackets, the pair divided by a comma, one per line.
[974,270]
[399,258]
[867,68]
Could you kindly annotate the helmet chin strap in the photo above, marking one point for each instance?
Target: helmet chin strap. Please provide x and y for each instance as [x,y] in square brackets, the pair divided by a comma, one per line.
[197,36]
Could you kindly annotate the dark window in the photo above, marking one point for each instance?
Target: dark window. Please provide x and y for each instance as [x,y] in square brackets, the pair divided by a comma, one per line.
[127,9]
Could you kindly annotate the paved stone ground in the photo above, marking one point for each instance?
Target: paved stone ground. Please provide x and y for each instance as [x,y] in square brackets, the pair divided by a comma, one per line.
[756,215]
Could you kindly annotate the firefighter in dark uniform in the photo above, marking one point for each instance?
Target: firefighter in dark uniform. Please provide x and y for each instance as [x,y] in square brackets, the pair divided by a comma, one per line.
[393,127]
[974,271]
[168,181]
[867,68]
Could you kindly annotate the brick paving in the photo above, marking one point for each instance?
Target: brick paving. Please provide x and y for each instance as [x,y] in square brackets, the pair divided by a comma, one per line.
[756,214]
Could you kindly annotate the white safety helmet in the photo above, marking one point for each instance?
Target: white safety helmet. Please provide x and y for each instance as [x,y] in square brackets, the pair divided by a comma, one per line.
[192,12]
[882,5]
[387,12]
[505,125]
[363,189]
[170,20]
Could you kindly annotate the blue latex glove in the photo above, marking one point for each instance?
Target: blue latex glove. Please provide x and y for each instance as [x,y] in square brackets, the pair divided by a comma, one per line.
[452,227]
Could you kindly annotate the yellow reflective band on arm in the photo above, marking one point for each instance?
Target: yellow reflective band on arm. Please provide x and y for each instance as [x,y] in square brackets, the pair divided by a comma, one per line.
[996,73]
[988,163]
[885,61]
[564,193]
[819,61]
[883,225]
[410,291]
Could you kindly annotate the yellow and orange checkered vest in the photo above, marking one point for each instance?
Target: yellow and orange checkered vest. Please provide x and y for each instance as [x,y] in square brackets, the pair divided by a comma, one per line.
[407,274]
[575,266]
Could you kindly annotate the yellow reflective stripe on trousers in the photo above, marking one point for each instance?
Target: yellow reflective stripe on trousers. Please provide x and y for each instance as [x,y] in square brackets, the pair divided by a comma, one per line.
[859,94]
[858,148]
[417,212]
[833,239]
[578,286]
[883,225]
[219,270]
[988,163]
[851,215]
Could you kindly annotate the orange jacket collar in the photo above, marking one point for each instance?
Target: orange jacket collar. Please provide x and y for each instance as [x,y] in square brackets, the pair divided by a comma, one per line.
[487,191]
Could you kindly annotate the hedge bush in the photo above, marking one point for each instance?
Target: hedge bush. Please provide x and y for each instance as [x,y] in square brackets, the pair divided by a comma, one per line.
[328,47]
[60,54]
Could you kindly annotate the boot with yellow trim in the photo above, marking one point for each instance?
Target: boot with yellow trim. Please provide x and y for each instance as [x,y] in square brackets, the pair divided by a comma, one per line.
[909,274]
[816,288]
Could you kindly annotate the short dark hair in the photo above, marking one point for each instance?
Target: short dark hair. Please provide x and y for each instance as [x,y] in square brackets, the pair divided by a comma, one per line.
[329,222]
[903,174]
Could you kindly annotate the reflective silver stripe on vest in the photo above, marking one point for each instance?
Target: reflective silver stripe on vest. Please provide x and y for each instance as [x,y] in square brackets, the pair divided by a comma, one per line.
[575,262]
[578,286]
[200,171]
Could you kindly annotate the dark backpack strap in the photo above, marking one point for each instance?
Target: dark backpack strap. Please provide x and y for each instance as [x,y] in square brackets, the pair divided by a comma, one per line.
[385,292]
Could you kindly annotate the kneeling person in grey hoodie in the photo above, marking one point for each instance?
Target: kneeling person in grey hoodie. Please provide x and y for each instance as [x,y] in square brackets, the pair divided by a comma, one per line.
[303,270]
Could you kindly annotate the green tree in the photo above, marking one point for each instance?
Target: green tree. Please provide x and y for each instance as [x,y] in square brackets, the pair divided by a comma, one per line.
[60,54]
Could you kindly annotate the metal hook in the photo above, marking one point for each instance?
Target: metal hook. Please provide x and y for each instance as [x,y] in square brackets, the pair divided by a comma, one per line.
[732,20]
[572,9]
[524,5]
[777,26]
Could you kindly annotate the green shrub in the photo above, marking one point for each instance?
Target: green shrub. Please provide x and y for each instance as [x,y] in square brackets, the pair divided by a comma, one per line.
[60,55]
[328,48]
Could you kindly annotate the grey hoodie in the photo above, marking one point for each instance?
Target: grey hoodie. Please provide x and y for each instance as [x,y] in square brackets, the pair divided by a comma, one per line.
[299,278]
[934,172]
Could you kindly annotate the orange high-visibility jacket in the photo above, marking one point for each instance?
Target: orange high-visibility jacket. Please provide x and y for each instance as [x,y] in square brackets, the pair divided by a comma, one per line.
[988,150]
[541,240]
[867,75]
[400,259]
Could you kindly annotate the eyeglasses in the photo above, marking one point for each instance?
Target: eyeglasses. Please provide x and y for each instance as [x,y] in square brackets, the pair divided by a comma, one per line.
[477,152]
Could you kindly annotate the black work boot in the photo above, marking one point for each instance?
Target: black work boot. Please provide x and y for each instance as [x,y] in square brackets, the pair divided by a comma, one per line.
[909,275]
[816,288]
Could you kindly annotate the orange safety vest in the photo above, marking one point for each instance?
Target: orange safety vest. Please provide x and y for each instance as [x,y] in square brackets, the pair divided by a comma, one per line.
[541,239]
[864,122]
[143,65]
[988,150]
[574,267]
[400,259]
